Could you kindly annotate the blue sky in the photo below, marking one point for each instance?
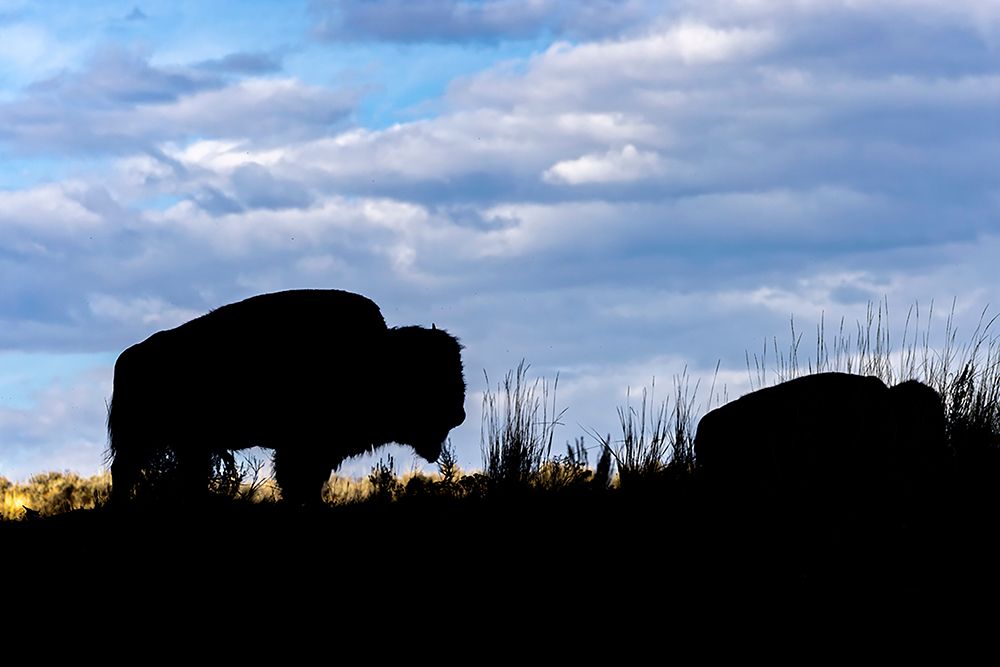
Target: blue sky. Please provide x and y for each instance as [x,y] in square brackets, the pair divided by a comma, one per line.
[612,190]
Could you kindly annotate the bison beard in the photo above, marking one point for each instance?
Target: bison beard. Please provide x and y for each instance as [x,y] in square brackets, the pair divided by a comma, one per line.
[314,375]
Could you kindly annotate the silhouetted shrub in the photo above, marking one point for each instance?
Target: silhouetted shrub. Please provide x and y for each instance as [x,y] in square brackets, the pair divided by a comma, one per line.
[385,487]
[448,465]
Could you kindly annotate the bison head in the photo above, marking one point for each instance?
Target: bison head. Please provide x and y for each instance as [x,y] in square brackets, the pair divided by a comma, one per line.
[427,367]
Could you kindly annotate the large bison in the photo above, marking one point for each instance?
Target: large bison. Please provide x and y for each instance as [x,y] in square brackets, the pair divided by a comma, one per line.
[831,438]
[314,375]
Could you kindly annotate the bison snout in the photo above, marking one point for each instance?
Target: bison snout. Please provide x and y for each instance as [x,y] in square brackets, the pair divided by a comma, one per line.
[429,451]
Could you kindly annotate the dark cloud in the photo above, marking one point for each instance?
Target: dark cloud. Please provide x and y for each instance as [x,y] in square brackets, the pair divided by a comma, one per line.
[117,76]
[852,294]
[136,15]
[468,21]
[835,42]
[214,202]
[99,201]
[257,188]
[243,63]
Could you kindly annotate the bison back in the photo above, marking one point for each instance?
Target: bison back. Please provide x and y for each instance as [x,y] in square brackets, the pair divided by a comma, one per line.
[275,367]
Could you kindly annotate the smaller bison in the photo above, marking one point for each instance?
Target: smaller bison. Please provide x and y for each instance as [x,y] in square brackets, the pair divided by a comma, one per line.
[314,375]
[829,438]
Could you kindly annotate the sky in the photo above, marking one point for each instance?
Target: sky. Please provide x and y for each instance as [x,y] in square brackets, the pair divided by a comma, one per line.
[616,192]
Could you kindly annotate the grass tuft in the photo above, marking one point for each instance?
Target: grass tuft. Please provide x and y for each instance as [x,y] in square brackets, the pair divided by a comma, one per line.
[657,440]
[519,421]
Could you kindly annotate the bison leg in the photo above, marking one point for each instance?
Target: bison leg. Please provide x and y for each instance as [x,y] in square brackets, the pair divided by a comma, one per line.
[194,469]
[125,472]
[301,475]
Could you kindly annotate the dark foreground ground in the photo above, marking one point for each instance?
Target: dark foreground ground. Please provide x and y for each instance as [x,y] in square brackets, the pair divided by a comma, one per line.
[585,552]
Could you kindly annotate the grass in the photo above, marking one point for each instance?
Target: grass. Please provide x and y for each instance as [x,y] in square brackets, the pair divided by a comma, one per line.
[518,428]
[657,440]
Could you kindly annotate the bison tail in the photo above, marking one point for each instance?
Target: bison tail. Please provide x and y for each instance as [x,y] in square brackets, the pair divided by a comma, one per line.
[128,423]
[113,428]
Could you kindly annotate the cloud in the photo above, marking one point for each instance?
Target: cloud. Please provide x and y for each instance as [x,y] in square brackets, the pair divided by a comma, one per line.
[627,164]
[467,21]
[258,188]
[120,103]
[136,14]
[117,76]
[243,63]
[48,220]
[678,58]
[721,152]
[215,202]
[147,311]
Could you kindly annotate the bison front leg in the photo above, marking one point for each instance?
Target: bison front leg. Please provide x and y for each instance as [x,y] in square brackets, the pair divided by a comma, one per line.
[194,470]
[126,469]
[301,475]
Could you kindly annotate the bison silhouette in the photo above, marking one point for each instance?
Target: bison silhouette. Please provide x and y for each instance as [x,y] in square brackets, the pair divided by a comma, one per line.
[314,375]
[828,438]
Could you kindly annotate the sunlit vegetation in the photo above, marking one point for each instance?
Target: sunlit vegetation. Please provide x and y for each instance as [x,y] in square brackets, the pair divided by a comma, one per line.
[52,493]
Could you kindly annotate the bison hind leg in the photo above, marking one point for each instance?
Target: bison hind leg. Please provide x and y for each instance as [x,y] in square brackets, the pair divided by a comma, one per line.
[301,475]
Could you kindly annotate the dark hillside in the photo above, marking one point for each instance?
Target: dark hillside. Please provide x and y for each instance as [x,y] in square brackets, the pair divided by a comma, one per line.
[669,543]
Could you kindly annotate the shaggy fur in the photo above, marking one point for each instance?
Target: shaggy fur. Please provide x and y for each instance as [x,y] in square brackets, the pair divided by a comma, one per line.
[314,375]
[825,438]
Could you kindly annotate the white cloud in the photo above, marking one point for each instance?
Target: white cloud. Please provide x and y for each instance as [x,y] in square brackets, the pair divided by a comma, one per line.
[263,108]
[567,75]
[224,156]
[148,311]
[50,220]
[50,207]
[330,220]
[655,54]
[615,166]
